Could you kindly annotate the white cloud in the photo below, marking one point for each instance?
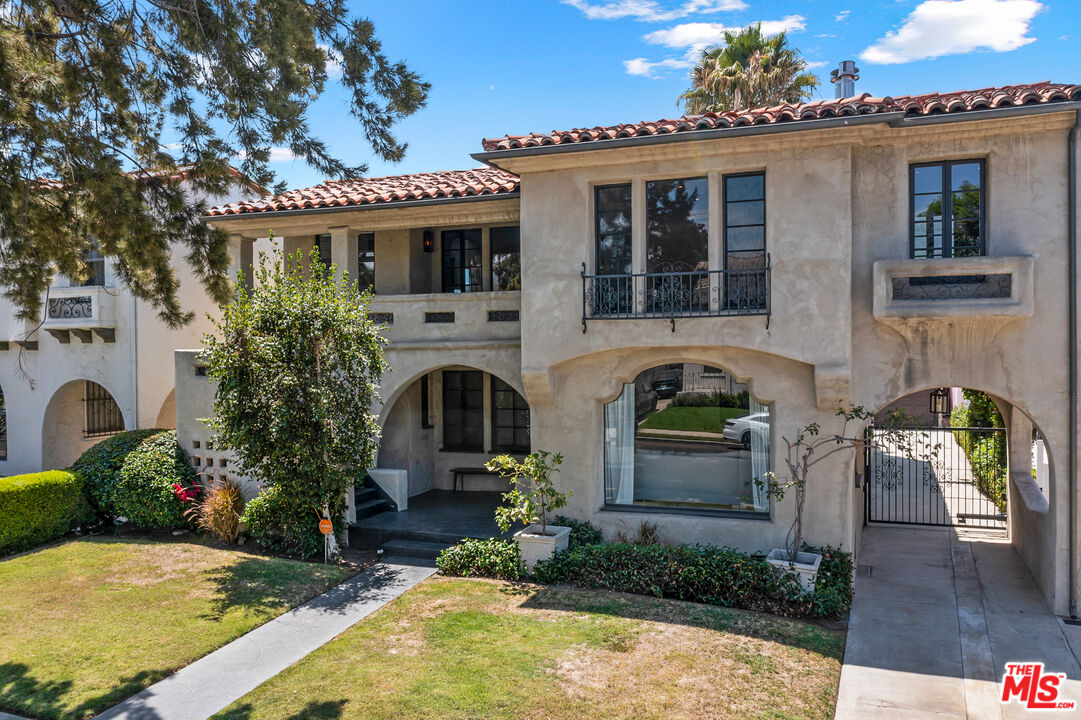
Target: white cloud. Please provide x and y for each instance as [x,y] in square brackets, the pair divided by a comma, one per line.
[950,27]
[825,35]
[334,61]
[650,10]
[843,15]
[817,64]
[694,37]
[281,154]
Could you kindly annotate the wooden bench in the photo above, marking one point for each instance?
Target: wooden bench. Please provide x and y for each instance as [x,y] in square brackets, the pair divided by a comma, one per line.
[459,474]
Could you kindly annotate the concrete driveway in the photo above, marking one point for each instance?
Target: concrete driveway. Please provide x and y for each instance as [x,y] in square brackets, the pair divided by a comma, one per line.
[936,616]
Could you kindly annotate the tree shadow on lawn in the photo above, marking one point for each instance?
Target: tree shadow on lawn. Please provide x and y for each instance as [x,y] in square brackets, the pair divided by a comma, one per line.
[23,694]
[803,634]
[268,588]
[326,710]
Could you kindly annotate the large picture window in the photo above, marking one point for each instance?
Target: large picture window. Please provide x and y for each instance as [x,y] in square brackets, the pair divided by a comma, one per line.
[463,410]
[667,446]
[461,261]
[677,245]
[510,419]
[506,258]
[947,207]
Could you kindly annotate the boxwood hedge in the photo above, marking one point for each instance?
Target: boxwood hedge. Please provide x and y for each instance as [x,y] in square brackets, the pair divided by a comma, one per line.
[493,558]
[38,507]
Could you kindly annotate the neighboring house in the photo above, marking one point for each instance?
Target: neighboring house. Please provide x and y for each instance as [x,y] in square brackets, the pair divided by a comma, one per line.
[840,252]
[99,361]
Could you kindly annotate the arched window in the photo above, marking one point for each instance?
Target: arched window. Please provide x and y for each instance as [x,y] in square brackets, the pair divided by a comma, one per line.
[3,427]
[685,436]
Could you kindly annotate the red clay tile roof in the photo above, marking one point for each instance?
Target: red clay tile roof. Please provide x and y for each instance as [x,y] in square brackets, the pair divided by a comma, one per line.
[376,191]
[928,104]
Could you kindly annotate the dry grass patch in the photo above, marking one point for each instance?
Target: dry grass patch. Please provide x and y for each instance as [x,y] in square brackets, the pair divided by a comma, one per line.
[459,648]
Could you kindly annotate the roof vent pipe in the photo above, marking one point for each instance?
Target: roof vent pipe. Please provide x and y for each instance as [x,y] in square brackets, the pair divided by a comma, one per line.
[844,79]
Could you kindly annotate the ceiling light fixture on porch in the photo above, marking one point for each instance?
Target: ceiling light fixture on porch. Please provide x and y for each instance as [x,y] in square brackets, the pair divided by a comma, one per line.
[429,241]
[940,401]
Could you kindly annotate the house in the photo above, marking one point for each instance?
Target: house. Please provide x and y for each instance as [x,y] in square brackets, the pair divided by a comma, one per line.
[98,362]
[821,255]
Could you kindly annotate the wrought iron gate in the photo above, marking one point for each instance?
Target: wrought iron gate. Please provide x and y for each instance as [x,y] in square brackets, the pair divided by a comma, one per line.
[937,476]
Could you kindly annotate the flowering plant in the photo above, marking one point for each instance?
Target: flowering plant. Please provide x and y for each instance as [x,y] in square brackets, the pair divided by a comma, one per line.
[186,495]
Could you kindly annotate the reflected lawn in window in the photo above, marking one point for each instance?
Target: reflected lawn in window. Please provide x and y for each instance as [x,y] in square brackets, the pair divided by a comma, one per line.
[692,419]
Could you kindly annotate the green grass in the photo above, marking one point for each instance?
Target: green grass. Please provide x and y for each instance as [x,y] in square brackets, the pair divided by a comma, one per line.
[455,648]
[88,623]
[695,419]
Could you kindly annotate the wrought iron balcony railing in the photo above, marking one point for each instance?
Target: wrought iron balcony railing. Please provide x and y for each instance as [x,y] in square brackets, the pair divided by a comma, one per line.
[677,294]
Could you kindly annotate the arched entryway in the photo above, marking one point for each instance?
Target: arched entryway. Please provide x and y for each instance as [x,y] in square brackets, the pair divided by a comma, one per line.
[167,413]
[78,416]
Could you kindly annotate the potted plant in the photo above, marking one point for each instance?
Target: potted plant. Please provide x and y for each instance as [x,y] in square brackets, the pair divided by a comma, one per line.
[812,447]
[530,501]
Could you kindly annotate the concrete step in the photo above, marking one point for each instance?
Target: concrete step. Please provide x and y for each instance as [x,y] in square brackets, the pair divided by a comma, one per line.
[371,507]
[364,494]
[413,549]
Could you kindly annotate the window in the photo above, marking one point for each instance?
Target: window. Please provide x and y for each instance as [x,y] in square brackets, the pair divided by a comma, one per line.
[102,416]
[613,229]
[745,240]
[506,258]
[3,428]
[947,209]
[677,243]
[669,446]
[95,262]
[510,419]
[463,410]
[366,260]
[425,404]
[323,245]
[461,261]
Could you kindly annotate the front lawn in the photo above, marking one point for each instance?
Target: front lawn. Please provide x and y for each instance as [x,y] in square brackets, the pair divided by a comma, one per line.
[88,623]
[457,648]
[694,419]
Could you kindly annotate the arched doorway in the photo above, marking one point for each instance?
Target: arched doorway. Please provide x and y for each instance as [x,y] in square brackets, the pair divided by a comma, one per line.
[79,415]
[167,415]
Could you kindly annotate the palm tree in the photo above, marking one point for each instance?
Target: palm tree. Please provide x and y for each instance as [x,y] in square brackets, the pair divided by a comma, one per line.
[749,70]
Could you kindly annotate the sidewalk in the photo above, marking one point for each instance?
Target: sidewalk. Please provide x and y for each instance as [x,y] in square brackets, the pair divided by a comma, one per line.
[212,683]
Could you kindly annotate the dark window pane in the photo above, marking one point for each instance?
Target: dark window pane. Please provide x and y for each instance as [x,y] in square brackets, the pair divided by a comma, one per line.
[510,418]
[751,212]
[927,206]
[927,179]
[463,419]
[461,260]
[613,228]
[746,260]
[964,176]
[745,187]
[322,244]
[506,258]
[958,227]
[746,238]
[366,260]
[677,213]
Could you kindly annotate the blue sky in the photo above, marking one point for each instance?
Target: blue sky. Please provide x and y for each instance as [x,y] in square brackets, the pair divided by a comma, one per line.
[514,67]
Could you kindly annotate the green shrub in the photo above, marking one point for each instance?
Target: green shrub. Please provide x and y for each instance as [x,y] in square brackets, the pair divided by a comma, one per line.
[701,573]
[492,558]
[986,452]
[41,506]
[583,532]
[833,589]
[284,524]
[717,398]
[100,468]
[145,492]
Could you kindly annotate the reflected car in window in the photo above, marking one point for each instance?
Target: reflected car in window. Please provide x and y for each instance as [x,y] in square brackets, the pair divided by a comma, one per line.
[668,384]
[740,429]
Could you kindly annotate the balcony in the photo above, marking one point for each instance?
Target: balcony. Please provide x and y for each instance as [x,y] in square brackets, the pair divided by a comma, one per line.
[82,312]
[953,288]
[448,318]
[675,295]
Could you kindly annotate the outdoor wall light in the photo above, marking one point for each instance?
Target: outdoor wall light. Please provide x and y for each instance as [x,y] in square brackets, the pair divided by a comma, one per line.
[940,401]
[429,241]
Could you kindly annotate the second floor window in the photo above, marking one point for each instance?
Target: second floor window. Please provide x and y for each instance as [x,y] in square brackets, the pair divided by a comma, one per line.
[677,232]
[613,229]
[461,261]
[947,209]
[744,221]
[322,244]
[366,260]
[506,258]
[95,262]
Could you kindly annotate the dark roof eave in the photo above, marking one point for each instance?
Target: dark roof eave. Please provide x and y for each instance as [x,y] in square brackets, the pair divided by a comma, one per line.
[895,118]
[367,206]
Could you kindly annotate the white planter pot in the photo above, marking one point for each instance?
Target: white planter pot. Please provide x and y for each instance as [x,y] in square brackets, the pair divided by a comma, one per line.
[535,547]
[806,565]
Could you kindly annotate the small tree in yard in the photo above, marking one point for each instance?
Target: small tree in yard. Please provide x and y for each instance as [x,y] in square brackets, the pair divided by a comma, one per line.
[297,362]
[532,497]
[811,447]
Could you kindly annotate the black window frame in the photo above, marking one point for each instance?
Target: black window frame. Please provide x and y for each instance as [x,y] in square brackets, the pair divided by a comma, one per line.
[95,261]
[425,403]
[365,255]
[725,225]
[101,414]
[947,210]
[323,244]
[519,405]
[459,442]
[492,254]
[458,285]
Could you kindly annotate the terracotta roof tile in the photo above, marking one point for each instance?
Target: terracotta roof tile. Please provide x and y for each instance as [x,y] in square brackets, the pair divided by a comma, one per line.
[382,190]
[927,104]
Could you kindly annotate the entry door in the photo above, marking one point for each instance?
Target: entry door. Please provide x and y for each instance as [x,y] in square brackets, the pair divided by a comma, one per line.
[937,476]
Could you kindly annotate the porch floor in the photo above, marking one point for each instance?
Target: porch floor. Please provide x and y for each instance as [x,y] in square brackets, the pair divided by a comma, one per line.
[434,516]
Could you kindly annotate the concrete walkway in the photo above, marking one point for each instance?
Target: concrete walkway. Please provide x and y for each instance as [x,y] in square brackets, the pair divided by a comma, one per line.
[214,682]
[936,616]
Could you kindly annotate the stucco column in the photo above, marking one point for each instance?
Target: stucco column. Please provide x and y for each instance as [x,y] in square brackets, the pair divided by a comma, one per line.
[241,251]
[715,230]
[343,251]
[638,239]
[485,258]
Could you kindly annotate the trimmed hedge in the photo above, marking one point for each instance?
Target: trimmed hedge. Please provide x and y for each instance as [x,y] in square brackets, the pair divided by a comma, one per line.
[583,532]
[491,558]
[100,468]
[38,507]
[702,573]
[283,525]
[145,489]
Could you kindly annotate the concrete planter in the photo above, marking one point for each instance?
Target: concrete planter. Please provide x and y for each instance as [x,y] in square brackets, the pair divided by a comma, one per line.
[535,547]
[806,565]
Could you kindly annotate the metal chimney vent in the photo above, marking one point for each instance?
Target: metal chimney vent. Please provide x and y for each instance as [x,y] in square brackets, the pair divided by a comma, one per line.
[844,79]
